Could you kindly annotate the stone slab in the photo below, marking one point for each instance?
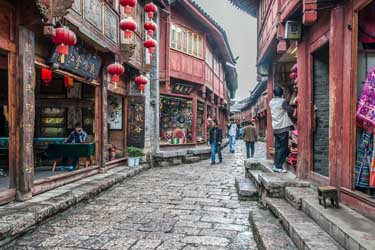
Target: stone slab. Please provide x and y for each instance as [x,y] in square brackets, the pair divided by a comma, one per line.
[246,189]
[279,180]
[191,159]
[258,164]
[18,217]
[294,195]
[351,229]
[253,175]
[268,232]
[305,233]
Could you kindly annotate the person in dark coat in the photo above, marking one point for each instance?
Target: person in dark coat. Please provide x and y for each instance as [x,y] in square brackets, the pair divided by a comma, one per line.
[215,139]
[250,136]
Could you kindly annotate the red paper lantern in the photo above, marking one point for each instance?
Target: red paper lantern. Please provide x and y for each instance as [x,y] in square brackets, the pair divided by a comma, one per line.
[115,70]
[128,25]
[151,9]
[68,82]
[128,5]
[46,76]
[141,81]
[151,27]
[63,39]
[150,44]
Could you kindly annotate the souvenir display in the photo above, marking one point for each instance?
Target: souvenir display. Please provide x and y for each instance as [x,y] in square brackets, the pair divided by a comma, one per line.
[176,120]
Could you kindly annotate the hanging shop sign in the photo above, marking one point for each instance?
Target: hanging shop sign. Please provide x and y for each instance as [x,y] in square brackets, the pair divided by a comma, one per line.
[136,121]
[179,88]
[79,62]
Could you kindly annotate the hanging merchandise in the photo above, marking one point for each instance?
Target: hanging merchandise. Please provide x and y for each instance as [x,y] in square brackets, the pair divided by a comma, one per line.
[68,82]
[151,9]
[64,38]
[46,76]
[128,25]
[366,107]
[151,27]
[141,81]
[150,44]
[364,160]
[128,5]
[115,70]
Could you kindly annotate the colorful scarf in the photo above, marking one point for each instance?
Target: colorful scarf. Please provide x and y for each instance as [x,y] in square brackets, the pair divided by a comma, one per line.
[364,160]
[366,107]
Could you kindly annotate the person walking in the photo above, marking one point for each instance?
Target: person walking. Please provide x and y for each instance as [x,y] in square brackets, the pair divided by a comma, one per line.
[250,137]
[281,124]
[232,135]
[215,139]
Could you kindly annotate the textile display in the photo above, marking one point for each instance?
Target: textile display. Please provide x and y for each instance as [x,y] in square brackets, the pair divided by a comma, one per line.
[366,107]
[365,158]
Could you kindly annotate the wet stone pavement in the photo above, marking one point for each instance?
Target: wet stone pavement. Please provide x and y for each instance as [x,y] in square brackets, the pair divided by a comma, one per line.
[184,207]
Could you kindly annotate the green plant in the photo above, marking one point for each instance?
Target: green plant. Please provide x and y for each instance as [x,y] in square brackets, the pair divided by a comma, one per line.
[135,152]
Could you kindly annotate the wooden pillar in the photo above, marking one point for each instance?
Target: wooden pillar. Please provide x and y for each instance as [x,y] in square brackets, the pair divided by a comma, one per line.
[205,113]
[13,120]
[336,52]
[213,106]
[103,118]
[304,123]
[310,14]
[26,113]
[195,112]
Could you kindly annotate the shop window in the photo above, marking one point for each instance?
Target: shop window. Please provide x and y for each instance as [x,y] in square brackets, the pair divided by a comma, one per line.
[116,131]
[176,120]
[200,123]
[186,41]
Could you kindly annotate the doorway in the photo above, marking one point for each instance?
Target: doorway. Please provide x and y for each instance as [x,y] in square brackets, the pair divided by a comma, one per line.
[4,123]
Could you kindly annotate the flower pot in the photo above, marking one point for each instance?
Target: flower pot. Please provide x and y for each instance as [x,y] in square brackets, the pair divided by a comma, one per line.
[137,161]
[131,161]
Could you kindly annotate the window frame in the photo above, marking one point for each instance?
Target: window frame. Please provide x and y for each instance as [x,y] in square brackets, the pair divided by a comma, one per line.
[191,44]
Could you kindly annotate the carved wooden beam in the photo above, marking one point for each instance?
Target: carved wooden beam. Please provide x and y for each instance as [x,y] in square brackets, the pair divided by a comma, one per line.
[310,14]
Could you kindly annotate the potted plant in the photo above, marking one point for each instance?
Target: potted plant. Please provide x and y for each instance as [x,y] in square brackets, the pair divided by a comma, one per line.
[134,154]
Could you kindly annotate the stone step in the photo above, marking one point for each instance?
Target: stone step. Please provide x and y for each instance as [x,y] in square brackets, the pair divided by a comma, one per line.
[246,189]
[268,232]
[351,229]
[191,159]
[305,233]
[253,175]
[257,164]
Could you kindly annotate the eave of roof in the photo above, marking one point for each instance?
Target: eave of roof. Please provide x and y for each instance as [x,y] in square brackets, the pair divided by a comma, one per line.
[249,6]
[256,93]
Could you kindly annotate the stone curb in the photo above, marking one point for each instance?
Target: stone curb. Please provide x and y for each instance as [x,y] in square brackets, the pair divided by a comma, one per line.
[25,215]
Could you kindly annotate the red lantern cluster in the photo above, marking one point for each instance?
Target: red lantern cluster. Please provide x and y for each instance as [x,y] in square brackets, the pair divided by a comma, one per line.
[128,5]
[151,9]
[128,25]
[46,76]
[141,81]
[115,70]
[64,38]
[151,27]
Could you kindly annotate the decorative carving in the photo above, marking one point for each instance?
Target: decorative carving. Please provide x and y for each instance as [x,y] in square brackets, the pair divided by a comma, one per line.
[127,51]
[61,7]
[43,7]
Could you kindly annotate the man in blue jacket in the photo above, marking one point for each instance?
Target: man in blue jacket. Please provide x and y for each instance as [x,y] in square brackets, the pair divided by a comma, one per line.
[216,138]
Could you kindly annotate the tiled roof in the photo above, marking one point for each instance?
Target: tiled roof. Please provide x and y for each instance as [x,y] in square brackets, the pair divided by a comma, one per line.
[249,6]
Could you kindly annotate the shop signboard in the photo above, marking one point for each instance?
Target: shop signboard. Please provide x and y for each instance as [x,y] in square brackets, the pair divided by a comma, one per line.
[79,62]
[184,89]
[136,121]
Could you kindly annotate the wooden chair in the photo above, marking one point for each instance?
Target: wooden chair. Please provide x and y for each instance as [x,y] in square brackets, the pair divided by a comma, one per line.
[328,192]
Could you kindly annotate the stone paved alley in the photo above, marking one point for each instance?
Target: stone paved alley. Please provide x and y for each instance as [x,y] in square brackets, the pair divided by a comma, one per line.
[183,207]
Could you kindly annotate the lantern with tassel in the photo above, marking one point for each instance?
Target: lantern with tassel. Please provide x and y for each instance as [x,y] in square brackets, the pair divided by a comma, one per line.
[115,70]
[150,44]
[128,5]
[151,27]
[64,38]
[141,81]
[46,76]
[128,25]
[151,9]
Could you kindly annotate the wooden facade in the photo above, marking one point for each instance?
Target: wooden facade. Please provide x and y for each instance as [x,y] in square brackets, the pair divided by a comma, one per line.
[203,71]
[25,44]
[335,28]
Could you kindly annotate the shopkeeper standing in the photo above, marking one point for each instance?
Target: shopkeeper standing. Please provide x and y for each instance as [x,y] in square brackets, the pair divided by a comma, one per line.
[281,124]
[76,136]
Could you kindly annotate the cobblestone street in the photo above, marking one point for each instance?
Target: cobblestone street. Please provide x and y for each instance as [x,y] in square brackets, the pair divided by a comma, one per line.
[184,207]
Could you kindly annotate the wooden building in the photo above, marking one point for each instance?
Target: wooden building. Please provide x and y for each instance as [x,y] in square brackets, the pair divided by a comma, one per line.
[334,53]
[37,114]
[197,74]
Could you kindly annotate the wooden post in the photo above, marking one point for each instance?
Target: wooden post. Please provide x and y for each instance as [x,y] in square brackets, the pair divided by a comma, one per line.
[26,113]
[103,130]
[195,112]
[269,138]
